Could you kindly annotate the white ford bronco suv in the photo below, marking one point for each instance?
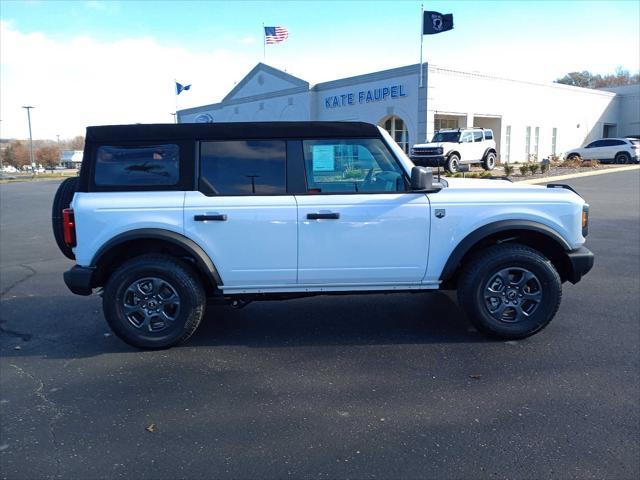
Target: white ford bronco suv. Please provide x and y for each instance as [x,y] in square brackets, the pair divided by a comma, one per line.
[452,148]
[165,219]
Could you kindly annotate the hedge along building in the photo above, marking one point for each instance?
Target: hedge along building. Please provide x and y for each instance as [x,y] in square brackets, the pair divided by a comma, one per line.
[528,118]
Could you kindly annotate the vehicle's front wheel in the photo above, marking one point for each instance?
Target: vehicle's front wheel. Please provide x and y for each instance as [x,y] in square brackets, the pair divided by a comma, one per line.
[154,301]
[510,291]
[453,162]
[623,158]
[574,157]
[489,161]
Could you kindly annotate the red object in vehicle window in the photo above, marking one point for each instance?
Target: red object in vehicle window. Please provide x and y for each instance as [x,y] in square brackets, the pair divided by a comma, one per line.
[314,190]
[69,227]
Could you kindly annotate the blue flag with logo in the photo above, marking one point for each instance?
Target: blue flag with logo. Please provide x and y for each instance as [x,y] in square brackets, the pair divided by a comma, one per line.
[180,88]
[435,22]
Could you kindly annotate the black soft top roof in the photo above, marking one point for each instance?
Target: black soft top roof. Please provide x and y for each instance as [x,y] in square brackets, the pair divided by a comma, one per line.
[230,131]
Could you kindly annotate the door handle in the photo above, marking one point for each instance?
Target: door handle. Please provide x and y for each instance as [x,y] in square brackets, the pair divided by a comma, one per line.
[323,216]
[216,217]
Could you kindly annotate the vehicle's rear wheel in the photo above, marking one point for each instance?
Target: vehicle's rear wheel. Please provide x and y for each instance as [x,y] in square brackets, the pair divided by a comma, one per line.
[510,291]
[154,301]
[453,162]
[622,157]
[62,200]
[489,161]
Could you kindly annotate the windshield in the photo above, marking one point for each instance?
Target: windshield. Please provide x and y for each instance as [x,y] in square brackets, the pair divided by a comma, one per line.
[446,137]
[407,164]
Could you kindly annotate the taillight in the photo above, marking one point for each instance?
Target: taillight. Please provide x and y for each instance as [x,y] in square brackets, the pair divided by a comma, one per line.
[585,220]
[69,227]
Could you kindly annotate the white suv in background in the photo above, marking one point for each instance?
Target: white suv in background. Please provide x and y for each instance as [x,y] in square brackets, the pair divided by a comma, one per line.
[451,148]
[617,150]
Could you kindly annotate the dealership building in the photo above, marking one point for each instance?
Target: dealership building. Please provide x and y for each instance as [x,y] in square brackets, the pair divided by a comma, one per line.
[528,118]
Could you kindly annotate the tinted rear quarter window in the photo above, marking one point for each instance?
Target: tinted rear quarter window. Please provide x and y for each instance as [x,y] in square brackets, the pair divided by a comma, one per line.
[152,165]
[488,135]
[243,167]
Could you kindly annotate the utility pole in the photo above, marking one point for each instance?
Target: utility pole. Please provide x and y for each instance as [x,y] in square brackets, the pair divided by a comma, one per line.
[33,162]
[175,117]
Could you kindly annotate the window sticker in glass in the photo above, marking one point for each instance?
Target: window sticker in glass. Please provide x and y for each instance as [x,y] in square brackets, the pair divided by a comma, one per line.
[137,166]
[351,166]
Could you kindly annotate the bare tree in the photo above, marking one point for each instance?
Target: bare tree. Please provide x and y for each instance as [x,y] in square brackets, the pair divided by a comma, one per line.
[587,79]
[48,156]
[77,143]
[16,154]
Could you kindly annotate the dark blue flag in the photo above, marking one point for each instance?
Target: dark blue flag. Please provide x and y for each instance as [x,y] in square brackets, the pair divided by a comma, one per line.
[435,22]
[180,88]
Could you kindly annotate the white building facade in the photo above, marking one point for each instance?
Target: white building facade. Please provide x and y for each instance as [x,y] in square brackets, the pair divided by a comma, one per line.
[529,119]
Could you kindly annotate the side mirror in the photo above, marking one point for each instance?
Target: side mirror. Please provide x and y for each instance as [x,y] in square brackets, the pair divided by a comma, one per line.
[421,179]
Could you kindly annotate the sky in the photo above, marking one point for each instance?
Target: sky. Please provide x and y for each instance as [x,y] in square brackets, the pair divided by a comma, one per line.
[83,63]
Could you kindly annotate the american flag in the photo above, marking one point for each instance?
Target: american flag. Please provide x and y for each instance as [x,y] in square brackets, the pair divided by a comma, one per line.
[275,34]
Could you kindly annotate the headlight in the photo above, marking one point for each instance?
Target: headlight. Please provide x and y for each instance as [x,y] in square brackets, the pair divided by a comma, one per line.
[439,150]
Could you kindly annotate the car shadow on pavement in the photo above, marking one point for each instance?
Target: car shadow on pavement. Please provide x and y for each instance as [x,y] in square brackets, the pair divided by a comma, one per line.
[75,328]
[338,320]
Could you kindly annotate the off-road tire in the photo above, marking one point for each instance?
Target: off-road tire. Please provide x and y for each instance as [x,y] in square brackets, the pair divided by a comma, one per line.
[180,276]
[489,162]
[483,267]
[574,156]
[62,200]
[622,157]
[453,161]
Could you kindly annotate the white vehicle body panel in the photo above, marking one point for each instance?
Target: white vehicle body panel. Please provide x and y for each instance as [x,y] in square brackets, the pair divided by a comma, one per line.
[378,239]
[101,216]
[391,241]
[255,246]
[472,203]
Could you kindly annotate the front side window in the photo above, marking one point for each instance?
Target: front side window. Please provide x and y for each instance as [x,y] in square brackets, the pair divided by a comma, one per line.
[138,166]
[467,137]
[351,166]
[243,167]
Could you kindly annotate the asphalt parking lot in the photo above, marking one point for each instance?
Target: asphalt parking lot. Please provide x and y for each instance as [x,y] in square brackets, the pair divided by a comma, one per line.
[384,386]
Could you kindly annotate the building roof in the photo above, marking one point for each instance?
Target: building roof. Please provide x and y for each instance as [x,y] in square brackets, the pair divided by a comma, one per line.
[229,131]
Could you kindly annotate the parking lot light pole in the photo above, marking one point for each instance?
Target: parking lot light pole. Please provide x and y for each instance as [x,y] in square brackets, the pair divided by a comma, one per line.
[33,163]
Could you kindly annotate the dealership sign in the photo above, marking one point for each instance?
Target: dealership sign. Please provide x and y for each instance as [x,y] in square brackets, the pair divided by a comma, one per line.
[365,96]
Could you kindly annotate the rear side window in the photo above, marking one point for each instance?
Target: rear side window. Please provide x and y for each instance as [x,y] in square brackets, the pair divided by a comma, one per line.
[488,134]
[137,166]
[243,167]
[477,135]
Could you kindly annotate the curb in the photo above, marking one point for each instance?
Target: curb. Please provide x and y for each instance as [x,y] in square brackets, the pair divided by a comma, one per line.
[534,181]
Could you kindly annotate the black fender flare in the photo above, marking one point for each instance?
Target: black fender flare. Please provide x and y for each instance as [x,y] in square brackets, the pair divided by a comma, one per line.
[490,229]
[487,151]
[204,263]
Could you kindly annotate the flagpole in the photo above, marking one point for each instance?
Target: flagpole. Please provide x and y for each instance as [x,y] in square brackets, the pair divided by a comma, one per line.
[175,117]
[264,45]
[421,38]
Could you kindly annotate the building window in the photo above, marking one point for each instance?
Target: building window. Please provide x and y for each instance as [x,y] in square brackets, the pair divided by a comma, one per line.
[507,144]
[445,123]
[554,139]
[527,144]
[536,143]
[398,131]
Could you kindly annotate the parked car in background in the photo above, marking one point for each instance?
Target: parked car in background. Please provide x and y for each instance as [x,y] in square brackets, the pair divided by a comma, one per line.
[616,150]
[452,148]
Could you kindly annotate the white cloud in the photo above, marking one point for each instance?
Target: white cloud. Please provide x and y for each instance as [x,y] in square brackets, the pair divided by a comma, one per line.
[248,40]
[83,81]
